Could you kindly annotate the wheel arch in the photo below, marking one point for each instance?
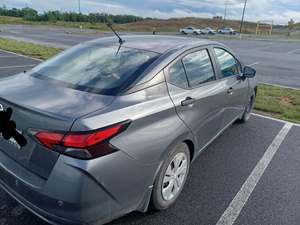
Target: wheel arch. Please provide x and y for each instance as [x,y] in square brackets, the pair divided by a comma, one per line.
[186,138]
[191,147]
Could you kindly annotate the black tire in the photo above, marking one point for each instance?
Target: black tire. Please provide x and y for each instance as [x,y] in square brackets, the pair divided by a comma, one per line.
[248,109]
[182,32]
[157,200]
[196,33]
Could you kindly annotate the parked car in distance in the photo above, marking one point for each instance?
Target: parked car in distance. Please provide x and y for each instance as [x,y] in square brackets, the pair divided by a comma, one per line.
[227,30]
[113,128]
[190,30]
[208,30]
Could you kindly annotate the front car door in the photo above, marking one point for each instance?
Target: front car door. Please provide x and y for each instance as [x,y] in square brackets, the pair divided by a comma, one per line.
[197,94]
[236,92]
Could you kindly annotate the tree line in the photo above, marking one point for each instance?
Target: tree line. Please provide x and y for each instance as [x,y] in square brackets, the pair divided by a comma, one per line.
[31,14]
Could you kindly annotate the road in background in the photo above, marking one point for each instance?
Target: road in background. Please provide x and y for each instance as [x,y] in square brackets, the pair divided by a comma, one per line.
[277,62]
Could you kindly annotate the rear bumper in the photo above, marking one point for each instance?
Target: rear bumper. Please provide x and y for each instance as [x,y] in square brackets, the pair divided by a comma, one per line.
[50,218]
[64,198]
[74,192]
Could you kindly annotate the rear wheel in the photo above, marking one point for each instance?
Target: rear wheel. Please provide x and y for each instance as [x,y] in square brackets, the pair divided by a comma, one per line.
[248,109]
[171,178]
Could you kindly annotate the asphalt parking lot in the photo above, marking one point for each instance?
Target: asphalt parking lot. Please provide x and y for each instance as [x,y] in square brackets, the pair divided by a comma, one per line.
[249,175]
[278,62]
[11,63]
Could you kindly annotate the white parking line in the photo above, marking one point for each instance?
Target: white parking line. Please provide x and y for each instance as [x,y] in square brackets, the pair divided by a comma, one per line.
[274,119]
[239,201]
[25,56]
[263,48]
[21,66]
[253,64]
[293,51]
[278,85]
[9,56]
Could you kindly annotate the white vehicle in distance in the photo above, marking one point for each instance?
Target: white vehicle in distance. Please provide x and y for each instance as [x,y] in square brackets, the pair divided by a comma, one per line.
[227,30]
[208,30]
[190,30]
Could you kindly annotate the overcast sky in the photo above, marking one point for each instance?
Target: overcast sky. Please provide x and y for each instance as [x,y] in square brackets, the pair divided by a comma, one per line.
[278,10]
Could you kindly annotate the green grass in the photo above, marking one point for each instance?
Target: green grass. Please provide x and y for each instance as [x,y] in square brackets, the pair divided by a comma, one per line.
[33,50]
[282,103]
[16,20]
[10,20]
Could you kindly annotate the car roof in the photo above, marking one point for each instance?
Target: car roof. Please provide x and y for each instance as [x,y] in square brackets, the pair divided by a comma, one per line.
[155,43]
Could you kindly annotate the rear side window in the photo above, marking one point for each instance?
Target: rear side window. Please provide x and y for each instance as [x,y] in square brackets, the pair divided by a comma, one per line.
[198,67]
[93,68]
[177,75]
[228,64]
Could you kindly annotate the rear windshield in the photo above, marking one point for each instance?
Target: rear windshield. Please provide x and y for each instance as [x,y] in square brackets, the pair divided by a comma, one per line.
[94,68]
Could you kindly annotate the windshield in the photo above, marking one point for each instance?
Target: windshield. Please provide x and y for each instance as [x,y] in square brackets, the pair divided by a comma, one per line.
[95,68]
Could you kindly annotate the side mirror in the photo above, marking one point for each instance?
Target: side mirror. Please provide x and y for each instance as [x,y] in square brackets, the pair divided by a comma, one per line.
[249,72]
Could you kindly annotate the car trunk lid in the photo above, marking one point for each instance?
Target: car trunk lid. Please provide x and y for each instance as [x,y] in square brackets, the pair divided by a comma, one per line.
[39,105]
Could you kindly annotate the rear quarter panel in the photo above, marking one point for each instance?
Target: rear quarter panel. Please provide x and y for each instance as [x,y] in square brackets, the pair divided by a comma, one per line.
[154,128]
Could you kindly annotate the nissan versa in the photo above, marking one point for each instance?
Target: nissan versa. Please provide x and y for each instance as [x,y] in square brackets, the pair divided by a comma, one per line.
[107,128]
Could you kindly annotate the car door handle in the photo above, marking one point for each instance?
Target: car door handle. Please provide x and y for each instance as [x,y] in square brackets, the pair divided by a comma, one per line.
[188,101]
[230,91]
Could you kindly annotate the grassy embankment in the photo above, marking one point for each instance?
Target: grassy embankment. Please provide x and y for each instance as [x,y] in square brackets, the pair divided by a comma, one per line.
[281,103]
[278,102]
[33,50]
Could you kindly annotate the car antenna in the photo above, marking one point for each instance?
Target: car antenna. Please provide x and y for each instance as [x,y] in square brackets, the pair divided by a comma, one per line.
[121,41]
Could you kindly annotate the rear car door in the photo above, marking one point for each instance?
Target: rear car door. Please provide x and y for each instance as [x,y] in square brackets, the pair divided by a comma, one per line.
[236,93]
[196,94]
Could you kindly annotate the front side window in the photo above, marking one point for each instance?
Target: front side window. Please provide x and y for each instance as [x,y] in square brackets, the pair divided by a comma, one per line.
[177,75]
[198,67]
[228,64]
[96,68]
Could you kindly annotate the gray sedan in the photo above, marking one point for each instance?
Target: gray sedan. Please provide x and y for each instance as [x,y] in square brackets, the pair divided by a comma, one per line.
[104,129]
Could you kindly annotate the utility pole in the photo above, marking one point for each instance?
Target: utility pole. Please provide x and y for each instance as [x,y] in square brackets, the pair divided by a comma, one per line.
[242,21]
[79,7]
[225,13]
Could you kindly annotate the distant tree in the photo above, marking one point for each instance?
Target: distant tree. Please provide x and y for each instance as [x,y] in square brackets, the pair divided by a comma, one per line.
[29,14]
[53,16]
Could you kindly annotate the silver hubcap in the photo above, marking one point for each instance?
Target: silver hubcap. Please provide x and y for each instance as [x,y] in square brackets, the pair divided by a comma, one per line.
[174,176]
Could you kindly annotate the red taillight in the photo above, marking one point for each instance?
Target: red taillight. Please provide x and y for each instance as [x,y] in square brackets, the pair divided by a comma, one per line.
[49,139]
[81,145]
[88,140]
